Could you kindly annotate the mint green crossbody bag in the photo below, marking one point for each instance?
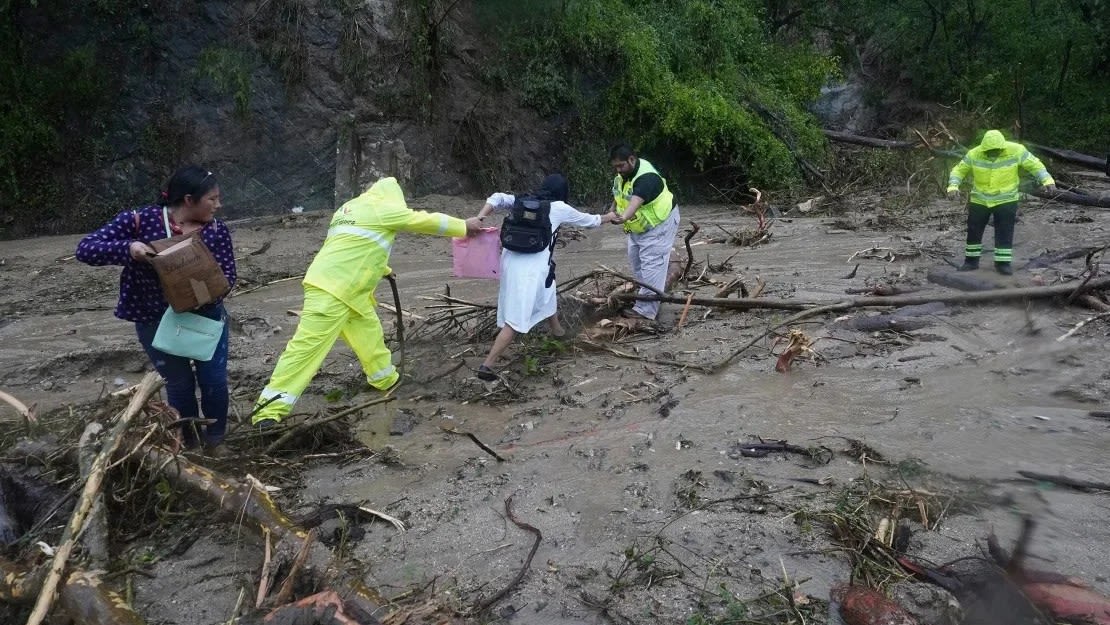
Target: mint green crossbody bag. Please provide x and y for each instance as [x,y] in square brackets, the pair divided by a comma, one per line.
[188,335]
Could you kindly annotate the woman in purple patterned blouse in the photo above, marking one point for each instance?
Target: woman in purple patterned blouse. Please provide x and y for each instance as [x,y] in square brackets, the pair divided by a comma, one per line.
[190,202]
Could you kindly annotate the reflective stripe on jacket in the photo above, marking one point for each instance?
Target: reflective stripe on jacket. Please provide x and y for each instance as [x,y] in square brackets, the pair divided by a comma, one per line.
[995,181]
[650,214]
[355,254]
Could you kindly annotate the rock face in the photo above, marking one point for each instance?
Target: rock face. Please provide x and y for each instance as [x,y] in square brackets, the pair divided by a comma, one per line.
[295,102]
[844,106]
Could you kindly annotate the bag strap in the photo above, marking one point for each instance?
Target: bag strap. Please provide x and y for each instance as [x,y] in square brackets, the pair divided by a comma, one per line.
[165,222]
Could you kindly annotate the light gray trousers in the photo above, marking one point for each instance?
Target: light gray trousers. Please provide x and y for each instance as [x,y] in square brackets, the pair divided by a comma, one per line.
[650,255]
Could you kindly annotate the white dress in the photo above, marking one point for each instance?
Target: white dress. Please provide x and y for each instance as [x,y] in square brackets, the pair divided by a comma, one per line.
[523,300]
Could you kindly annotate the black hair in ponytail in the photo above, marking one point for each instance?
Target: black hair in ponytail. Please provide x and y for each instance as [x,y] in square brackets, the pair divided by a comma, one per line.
[189,180]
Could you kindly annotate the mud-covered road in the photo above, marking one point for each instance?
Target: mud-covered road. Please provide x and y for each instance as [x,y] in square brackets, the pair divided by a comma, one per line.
[612,458]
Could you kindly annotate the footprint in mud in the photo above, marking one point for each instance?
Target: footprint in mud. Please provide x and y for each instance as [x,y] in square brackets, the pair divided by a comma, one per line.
[251,327]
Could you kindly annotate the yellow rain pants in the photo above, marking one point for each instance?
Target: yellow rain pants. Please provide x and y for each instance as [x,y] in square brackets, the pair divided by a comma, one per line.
[324,319]
[339,294]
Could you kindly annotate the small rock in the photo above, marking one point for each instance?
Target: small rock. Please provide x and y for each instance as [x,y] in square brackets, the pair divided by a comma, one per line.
[119,381]
[47,385]
[403,423]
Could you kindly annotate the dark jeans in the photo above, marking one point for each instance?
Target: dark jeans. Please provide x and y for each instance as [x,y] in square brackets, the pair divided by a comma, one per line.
[182,382]
[1005,216]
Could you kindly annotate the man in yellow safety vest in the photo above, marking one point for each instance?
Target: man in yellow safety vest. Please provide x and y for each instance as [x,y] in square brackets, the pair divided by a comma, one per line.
[994,166]
[646,209]
[339,294]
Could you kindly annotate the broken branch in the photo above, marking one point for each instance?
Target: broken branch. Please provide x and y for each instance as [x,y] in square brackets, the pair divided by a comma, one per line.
[1063,480]
[150,385]
[694,228]
[978,297]
[293,431]
[19,406]
[484,447]
[482,607]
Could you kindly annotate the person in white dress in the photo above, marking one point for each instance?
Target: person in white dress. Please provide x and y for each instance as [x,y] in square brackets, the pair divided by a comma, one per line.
[526,296]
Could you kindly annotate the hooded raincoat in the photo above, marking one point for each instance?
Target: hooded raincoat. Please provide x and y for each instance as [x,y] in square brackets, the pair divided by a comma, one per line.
[339,294]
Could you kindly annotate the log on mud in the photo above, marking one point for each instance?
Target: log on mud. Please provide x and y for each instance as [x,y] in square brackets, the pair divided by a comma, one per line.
[83,598]
[1101,200]
[251,504]
[904,319]
[982,297]
[97,472]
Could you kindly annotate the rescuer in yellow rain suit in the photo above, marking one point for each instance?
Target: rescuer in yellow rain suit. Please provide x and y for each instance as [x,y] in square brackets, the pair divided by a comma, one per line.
[994,167]
[339,294]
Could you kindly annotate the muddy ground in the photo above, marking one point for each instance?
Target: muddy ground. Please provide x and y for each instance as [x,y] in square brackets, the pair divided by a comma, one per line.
[616,460]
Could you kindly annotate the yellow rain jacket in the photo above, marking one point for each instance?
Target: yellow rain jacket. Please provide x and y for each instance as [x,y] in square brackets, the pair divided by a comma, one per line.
[995,181]
[339,294]
[355,255]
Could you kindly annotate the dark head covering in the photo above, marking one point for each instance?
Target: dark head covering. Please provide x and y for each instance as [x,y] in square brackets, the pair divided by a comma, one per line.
[554,188]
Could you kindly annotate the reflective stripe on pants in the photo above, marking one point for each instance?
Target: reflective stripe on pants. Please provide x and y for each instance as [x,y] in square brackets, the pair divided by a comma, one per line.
[1005,217]
[324,319]
[649,253]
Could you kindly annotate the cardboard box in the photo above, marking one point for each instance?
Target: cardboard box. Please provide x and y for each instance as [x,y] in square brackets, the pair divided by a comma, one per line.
[189,274]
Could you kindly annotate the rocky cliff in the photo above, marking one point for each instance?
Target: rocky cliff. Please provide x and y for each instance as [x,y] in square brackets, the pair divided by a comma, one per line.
[291,103]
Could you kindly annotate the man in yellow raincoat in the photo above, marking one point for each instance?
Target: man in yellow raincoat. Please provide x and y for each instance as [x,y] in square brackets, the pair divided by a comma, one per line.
[994,167]
[339,294]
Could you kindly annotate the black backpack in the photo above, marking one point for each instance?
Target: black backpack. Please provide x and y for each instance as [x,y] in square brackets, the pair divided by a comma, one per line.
[527,229]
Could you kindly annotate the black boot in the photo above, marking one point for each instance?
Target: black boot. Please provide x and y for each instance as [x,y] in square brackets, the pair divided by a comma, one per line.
[1004,269]
[970,264]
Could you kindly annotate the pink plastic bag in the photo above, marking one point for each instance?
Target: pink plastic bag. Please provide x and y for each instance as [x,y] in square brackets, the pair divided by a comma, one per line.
[478,256]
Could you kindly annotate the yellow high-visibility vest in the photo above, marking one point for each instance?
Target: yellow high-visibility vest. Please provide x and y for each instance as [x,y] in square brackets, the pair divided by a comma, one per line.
[650,214]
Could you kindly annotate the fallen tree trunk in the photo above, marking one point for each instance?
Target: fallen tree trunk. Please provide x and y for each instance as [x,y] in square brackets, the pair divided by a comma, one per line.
[150,385]
[20,584]
[977,297]
[1073,157]
[812,309]
[890,144]
[85,600]
[251,504]
[1069,156]
[1101,200]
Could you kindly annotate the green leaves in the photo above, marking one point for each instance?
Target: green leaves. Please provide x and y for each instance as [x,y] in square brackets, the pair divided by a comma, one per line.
[229,71]
[700,77]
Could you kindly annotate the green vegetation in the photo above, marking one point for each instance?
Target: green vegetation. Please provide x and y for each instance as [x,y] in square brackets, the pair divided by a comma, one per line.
[1040,66]
[724,85]
[229,70]
[281,38]
[714,91]
[703,80]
